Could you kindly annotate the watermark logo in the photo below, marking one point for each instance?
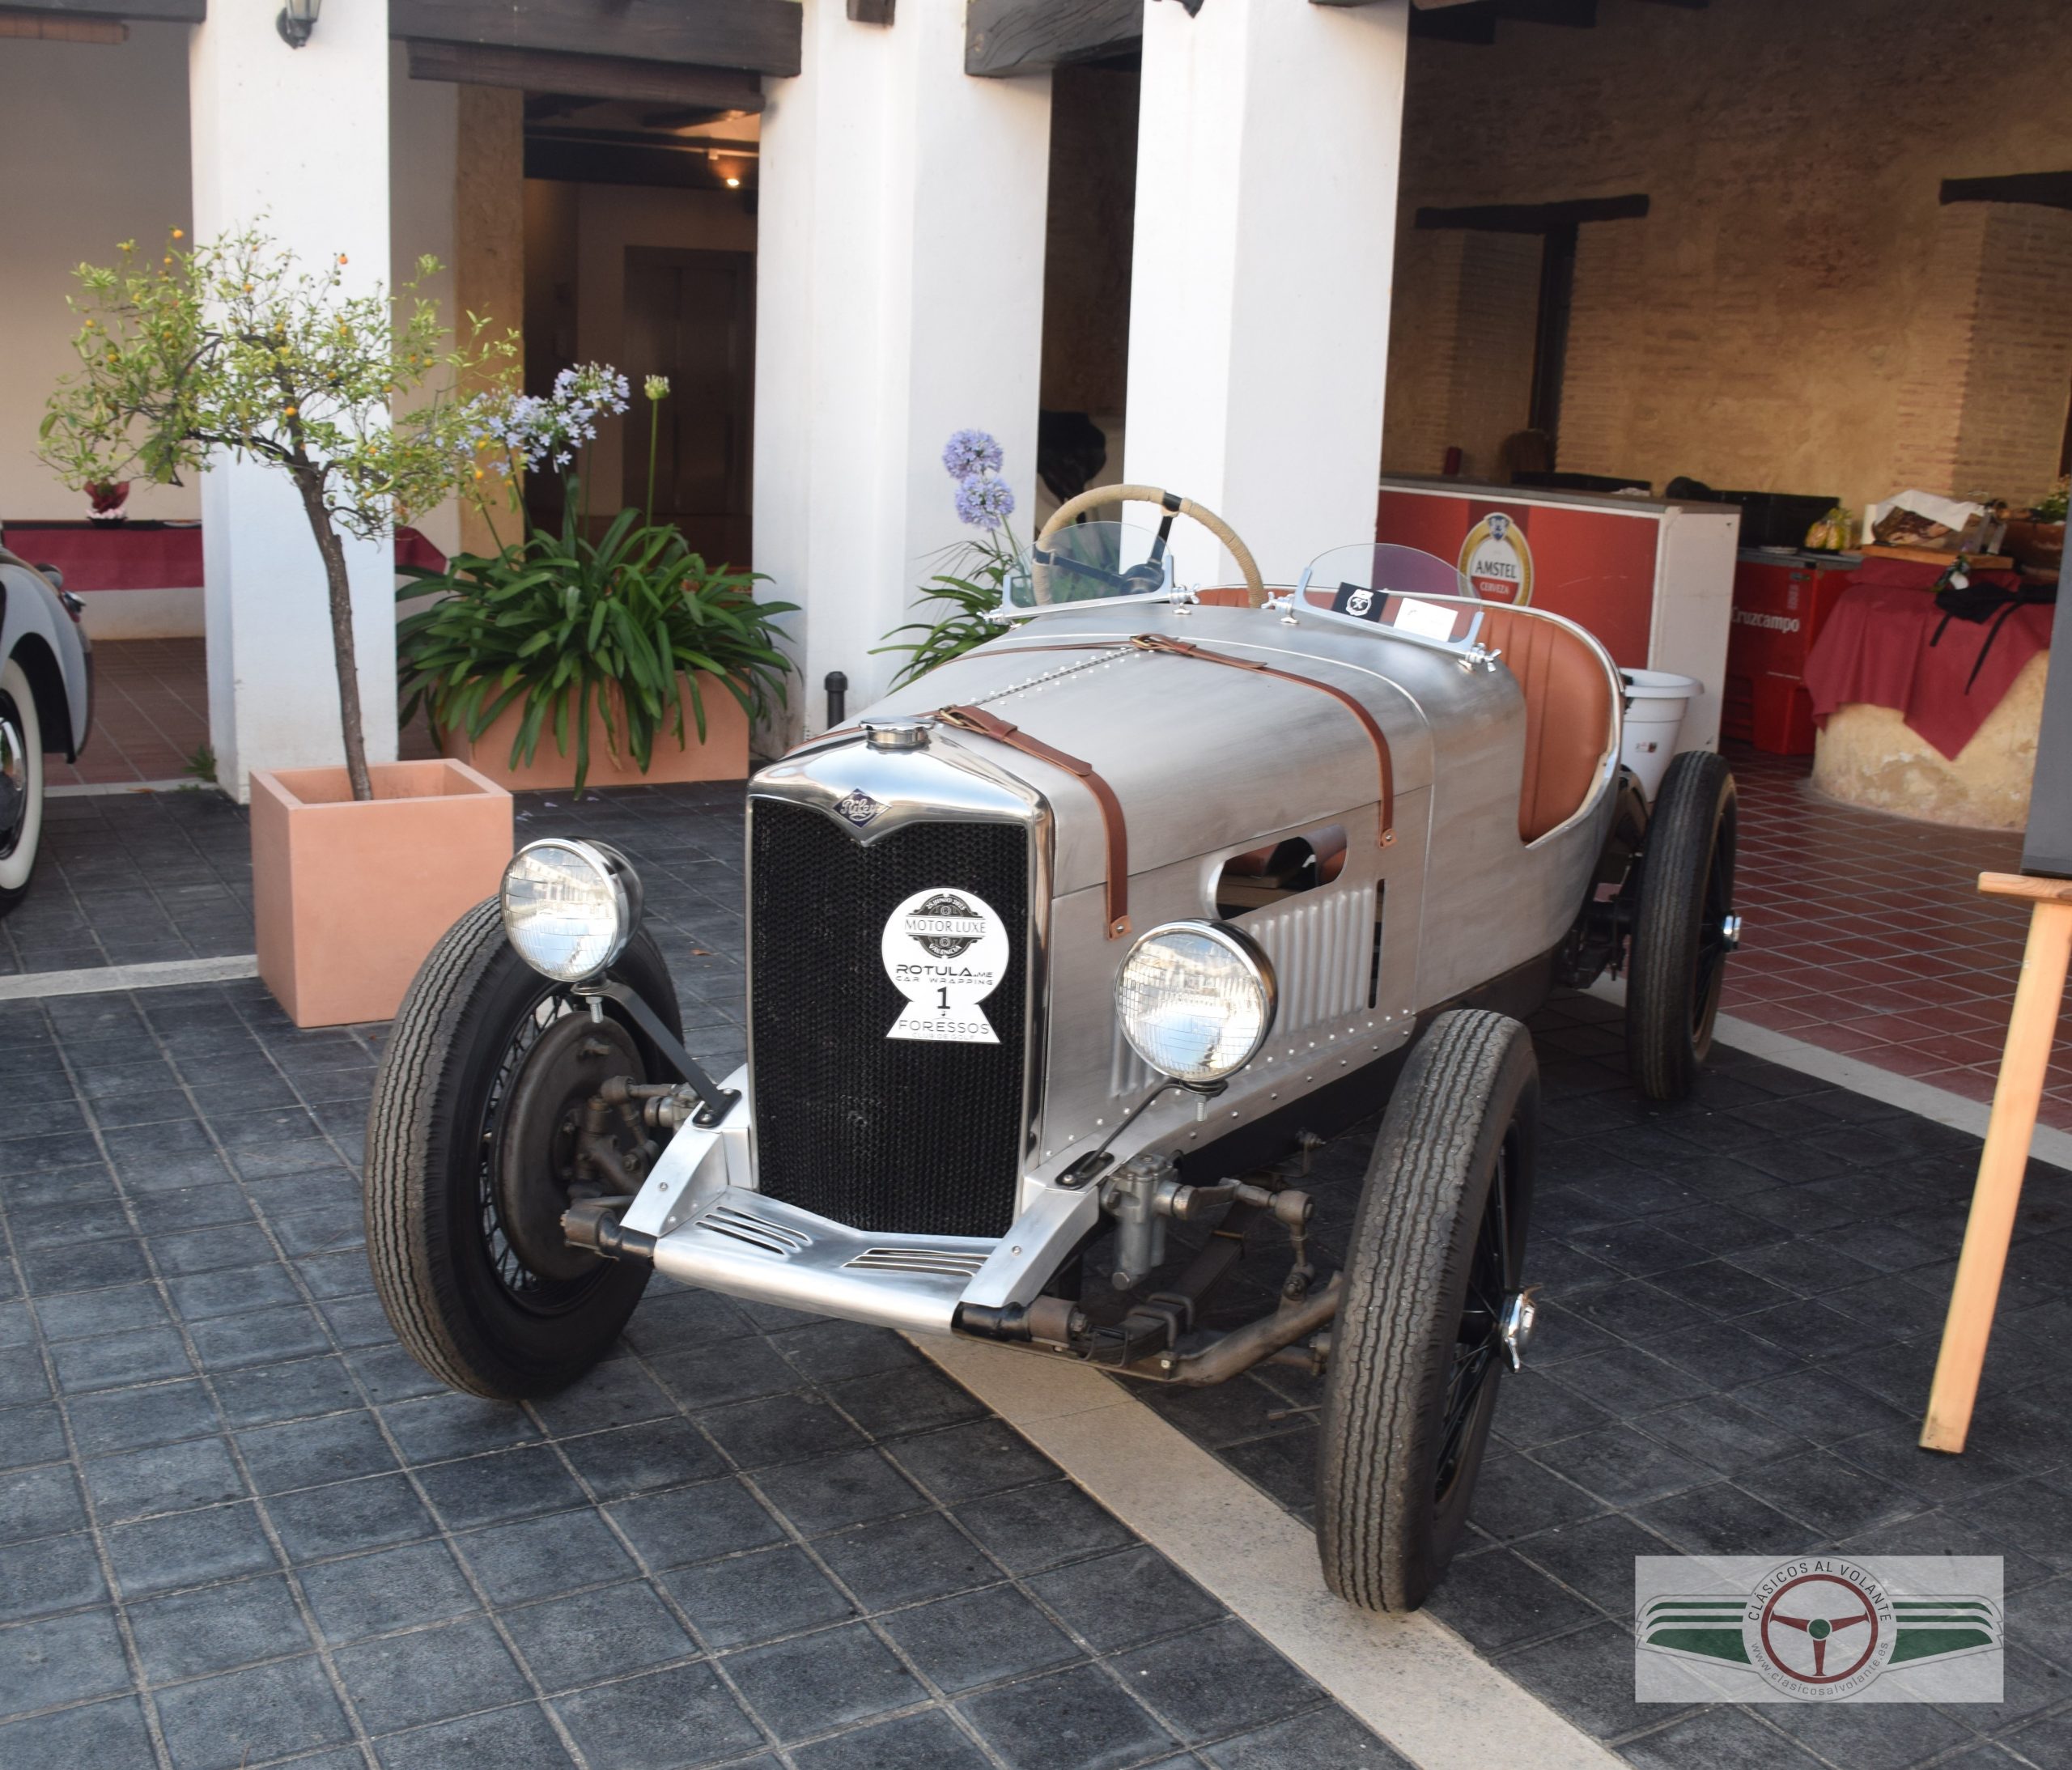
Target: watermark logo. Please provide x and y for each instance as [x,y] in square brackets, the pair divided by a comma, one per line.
[1818,1629]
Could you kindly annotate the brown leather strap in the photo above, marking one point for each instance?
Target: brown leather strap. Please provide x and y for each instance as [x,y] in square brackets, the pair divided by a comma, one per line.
[1158,642]
[975,719]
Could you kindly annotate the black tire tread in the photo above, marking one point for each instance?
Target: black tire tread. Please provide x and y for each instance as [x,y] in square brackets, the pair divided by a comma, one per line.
[1402,1258]
[1661,1056]
[400,1226]
[416,1089]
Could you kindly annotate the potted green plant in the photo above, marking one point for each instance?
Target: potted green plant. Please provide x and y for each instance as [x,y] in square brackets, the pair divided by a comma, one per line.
[232,348]
[624,648]
[2038,540]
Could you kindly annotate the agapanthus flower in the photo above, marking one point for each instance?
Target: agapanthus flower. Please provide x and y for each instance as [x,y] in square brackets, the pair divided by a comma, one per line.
[968,452]
[658,387]
[983,502]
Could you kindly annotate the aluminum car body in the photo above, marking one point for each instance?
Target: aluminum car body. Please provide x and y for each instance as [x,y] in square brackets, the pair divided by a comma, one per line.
[1207,763]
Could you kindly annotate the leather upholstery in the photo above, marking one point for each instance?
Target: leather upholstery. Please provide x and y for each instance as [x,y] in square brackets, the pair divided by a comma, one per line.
[1568,714]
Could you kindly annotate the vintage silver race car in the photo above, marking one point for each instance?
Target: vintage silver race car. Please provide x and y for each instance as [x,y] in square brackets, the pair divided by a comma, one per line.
[1092,932]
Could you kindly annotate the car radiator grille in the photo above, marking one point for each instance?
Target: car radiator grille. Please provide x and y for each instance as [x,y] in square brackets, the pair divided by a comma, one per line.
[895,1135]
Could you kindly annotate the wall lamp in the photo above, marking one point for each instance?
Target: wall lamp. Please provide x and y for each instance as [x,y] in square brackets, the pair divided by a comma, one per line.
[297,21]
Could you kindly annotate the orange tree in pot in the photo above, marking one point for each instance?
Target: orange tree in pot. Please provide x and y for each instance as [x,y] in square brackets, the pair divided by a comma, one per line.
[233,348]
[619,648]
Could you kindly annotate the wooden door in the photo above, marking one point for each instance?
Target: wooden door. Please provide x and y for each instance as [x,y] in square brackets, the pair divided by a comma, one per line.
[691,316]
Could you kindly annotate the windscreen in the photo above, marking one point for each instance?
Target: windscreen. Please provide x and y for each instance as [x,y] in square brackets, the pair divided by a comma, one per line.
[1378,581]
[1093,561]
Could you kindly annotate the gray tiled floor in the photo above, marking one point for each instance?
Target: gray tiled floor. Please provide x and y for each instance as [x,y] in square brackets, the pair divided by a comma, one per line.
[1743,1298]
[1743,1295]
[238,1526]
[131,878]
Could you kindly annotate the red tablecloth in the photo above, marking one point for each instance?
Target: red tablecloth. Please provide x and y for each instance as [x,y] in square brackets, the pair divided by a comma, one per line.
[1875,647]
[126,556]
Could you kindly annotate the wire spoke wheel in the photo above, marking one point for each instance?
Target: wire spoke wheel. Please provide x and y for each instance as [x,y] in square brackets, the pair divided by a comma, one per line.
[476,1146]
[1432,1311]
[1478,1352]
[1684,926]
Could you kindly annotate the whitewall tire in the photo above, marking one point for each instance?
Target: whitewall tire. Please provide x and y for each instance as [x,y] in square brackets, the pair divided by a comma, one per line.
[21,784]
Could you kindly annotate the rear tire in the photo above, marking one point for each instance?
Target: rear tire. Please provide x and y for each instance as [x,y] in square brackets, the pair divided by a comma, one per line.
[1415,1356]
[439,1181]
[1680,942]
[21,784]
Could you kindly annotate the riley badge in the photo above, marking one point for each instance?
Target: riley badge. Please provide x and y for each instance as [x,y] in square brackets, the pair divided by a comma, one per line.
[945,952]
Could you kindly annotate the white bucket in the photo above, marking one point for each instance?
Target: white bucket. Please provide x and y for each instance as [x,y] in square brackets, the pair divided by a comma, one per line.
[1655,701]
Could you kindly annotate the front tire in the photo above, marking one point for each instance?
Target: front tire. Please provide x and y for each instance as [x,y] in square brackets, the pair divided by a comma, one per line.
[461,1225]
[1418,1347]
[21,784]
[1682,931]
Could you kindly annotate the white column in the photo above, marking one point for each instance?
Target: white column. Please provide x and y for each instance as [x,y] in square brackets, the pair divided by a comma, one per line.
[899,279]
[295,141]
[1268,146]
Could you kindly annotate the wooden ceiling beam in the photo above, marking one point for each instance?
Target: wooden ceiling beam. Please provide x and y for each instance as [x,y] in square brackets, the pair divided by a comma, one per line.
[1534,217]
[2052,190]
[586,76]
[759,36]
[1028,37]
[136,11]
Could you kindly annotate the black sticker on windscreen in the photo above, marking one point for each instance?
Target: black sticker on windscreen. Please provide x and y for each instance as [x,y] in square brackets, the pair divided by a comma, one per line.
[1357,599]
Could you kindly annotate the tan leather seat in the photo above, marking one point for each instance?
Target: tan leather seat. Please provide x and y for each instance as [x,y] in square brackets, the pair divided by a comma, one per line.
[1568,714]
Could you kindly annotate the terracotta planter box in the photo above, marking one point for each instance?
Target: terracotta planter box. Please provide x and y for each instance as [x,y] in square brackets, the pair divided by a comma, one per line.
[723,756]
[348,897]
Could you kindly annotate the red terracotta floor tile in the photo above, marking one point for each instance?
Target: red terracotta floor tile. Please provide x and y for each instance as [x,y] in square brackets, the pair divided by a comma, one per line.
[1881,946]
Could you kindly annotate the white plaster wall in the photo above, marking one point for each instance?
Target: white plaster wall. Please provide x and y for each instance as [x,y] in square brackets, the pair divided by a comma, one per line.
[263,158]
[93,151]
[424,147]
[899,298]
[1269,134]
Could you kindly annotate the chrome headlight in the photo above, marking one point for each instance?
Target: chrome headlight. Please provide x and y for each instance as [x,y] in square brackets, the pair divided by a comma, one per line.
[570,907]
[1196,999]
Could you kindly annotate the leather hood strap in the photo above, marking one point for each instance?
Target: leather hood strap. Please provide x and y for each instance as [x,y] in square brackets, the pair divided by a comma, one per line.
[1158,642]
[1181,649]
[975,719]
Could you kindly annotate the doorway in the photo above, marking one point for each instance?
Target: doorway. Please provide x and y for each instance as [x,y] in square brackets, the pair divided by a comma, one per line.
[691,316]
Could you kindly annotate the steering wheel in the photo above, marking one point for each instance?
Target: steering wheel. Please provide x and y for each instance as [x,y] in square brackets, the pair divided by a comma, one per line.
[1174,506]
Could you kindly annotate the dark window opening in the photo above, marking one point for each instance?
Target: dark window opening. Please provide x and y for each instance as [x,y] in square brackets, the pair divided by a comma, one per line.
[1262,876]
[1550,337]
[1374,960]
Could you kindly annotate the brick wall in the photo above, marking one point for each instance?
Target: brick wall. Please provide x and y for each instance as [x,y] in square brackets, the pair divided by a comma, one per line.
[1797,312]
[1465,383]
[2019,375]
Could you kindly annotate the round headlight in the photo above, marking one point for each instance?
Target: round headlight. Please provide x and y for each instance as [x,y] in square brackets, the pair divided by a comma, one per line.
[569,907]
[1196,999]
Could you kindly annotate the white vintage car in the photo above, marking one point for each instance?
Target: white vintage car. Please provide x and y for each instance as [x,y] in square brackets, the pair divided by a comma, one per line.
[1089,931]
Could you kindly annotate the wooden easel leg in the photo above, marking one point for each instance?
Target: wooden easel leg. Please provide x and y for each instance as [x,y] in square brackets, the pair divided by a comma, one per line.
[2016,1098]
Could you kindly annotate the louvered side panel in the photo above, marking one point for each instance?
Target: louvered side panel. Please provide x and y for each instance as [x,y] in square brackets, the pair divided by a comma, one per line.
[1322,946]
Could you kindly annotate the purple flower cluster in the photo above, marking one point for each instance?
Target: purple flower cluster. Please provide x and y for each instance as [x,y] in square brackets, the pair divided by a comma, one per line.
[970,457]
[983,502]
[970,451]
[535,429]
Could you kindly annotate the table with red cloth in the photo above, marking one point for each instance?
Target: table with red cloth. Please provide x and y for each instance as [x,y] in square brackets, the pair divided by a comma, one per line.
[148,555]
[1876,647]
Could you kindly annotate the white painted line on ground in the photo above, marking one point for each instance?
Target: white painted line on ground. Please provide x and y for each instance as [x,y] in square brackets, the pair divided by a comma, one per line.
[101,789]
[1859,1077]
[96,980]
[1410,1679]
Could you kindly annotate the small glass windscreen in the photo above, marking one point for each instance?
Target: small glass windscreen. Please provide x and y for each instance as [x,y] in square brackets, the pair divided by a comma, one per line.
[1378,581]
[1093,561]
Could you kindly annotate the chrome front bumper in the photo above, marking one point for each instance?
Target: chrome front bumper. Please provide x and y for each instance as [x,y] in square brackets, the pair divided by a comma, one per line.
[711,1227]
